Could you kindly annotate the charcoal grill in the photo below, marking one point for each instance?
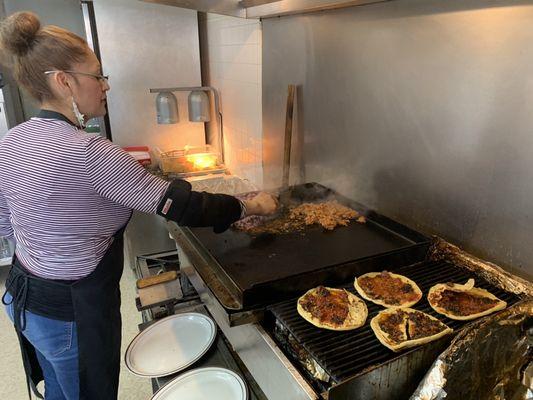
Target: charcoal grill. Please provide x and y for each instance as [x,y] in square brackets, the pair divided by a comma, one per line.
[346,356]
[250,285]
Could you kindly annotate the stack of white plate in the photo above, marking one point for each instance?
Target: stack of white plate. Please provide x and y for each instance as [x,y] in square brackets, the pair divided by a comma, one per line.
[175,343]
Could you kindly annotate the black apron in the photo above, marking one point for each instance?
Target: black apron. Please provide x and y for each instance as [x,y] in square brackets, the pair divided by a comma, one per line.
[96,301]
[96,309]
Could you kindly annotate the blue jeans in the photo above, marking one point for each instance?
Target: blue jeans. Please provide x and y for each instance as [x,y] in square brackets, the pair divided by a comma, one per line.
[56,345]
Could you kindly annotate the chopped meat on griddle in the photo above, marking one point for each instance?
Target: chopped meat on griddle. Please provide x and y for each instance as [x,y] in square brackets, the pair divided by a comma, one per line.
[329,215]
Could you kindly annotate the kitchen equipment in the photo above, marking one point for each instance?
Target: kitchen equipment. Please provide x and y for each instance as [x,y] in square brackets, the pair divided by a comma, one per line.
[165,294]
[160,299]
[167,108]
[251,271]
[156,279]
[198,109]
[342,360]
[170,345]
[253,300]
[189,159]
[161,290]
[489,359]
[198,106]
[205,383]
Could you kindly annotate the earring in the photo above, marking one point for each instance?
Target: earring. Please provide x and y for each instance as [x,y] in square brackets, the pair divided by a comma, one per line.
[79,116]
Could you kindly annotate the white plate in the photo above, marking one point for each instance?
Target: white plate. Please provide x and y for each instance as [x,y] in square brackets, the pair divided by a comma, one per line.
[170,345]
[203,384]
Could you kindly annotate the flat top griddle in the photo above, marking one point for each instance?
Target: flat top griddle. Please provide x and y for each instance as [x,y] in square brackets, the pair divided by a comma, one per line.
[254,260]
[269,267]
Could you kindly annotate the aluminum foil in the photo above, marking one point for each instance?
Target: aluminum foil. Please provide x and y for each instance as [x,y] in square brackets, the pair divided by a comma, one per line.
[225,184]
[442,250]
[214,183]
[490,359]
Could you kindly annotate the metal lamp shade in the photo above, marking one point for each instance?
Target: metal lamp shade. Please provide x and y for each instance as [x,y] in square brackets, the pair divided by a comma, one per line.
[198,106]
[167,108]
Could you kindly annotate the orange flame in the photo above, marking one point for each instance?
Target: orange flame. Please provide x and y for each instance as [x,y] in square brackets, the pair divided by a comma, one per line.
[203,160]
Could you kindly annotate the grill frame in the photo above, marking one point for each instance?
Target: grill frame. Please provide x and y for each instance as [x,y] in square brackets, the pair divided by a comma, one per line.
[340,353]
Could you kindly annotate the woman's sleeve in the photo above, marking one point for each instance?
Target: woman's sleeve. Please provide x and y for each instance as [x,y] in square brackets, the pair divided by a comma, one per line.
[189,208]
[116,175]
[6,229]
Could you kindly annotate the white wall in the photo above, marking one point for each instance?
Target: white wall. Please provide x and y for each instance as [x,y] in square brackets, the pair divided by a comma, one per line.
[145,46]
[234,65]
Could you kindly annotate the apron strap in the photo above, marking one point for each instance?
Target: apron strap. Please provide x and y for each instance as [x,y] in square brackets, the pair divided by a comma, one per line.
[20,283]
[30,386]
[18,301]
[19,320]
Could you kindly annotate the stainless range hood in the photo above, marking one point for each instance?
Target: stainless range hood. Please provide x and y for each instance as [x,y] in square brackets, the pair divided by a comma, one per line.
[262,8]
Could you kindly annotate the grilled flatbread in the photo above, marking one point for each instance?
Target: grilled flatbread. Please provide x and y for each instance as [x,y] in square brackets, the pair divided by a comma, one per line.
[388,289]
[334,309]
[400,328]
[463,302]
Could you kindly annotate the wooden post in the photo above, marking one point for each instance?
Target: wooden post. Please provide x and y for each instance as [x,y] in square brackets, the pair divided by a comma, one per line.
[288,137]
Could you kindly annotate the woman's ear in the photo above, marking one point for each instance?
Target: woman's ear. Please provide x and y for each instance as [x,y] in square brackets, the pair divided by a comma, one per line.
[62,84]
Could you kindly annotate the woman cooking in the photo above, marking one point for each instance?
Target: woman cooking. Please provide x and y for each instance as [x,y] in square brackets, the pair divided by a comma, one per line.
[65,198]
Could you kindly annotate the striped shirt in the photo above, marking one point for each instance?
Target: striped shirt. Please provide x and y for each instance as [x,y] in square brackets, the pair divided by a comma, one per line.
[65,193]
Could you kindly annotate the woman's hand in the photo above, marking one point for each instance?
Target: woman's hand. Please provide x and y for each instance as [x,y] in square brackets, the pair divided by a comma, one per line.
[262,204]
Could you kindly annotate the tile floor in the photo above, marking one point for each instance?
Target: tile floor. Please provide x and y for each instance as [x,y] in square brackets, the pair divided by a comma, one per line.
[12,385]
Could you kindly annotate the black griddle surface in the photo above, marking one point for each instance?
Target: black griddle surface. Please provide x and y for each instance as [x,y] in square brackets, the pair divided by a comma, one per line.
[250,260]
[267,268]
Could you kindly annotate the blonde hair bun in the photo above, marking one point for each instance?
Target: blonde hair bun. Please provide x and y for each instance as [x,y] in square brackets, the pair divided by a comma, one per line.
[18,32]
[30,50]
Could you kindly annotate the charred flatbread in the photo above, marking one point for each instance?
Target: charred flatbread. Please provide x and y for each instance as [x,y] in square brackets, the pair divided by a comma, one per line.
[463,302]
[402,327]
[334,309]
[388,289]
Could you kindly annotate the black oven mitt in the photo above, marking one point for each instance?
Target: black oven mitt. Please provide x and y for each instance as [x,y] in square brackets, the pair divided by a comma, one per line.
[197,209]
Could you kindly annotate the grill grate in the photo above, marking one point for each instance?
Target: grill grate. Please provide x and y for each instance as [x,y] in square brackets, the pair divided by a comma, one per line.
[344,354]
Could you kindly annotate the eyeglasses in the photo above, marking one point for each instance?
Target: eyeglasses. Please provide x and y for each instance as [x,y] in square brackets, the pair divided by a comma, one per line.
[101,78]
